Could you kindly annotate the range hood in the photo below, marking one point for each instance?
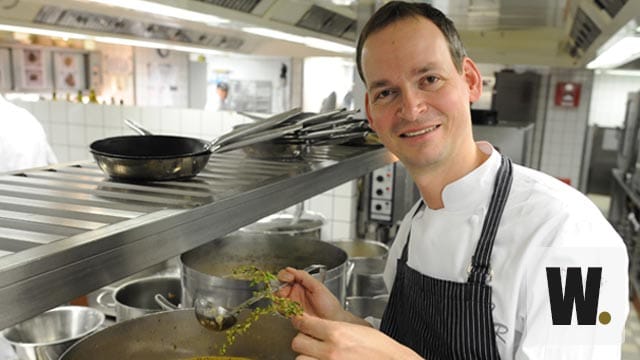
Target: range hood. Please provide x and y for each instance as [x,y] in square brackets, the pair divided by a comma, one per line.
[564,33]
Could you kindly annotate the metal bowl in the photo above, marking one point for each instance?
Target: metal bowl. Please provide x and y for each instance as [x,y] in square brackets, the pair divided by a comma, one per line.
[49,334]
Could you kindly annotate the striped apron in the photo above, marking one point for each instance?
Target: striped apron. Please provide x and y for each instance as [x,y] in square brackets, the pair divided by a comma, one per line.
[442,319]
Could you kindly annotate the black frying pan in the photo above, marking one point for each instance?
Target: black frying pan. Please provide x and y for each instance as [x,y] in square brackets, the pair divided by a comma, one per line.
[150,157]
[162,157]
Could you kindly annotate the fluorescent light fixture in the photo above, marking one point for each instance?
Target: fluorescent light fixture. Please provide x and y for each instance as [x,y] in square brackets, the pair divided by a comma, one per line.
[43,32]
[328,45]
[305,40]
[108,39]
[164,10]
[623,51]
[275,34]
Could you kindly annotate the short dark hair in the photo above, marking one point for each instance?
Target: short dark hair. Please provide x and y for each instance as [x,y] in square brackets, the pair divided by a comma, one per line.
[398,10]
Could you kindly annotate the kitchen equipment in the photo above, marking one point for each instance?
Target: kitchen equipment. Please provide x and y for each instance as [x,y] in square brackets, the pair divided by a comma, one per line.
[364,306]
[366,278]
[368,257]
[49,334]
[304,225]
[136,298]
[220,318]
[360,249]
[175,335]
[206,269]
[164,157]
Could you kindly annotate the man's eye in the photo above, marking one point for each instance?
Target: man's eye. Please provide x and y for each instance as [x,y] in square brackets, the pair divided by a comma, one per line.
[383,94]
[430,82]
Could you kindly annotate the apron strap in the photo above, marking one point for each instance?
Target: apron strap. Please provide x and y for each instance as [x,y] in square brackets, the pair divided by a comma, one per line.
[480,262]
[405,250]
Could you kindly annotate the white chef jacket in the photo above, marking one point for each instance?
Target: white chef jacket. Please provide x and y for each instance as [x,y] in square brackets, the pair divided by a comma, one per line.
[540,212]
[23,143]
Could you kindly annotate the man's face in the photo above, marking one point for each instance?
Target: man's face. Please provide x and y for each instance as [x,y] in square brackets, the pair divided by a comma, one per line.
[416,100]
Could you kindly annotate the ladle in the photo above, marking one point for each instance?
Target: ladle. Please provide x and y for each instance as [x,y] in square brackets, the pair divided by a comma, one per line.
[219,318]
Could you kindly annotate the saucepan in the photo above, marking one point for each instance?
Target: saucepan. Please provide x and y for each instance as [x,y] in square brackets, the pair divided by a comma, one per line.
[164,157]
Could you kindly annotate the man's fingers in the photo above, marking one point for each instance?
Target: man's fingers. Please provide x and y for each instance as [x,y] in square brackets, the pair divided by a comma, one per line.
[308,346]
[312,326]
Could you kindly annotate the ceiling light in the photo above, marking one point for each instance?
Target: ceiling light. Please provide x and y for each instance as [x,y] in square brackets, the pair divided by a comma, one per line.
[164,10]
[275,34]
[108,39]
[623,51]
[43,32]
[305,40]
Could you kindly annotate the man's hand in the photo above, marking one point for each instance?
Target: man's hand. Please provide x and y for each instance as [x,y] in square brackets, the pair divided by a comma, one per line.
[314,297]
[325,340]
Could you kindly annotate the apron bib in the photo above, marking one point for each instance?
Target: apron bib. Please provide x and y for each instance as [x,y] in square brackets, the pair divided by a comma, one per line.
[442,319]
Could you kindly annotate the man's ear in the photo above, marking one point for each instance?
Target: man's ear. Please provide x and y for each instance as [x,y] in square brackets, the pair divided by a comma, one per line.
[368,111]
[473,78]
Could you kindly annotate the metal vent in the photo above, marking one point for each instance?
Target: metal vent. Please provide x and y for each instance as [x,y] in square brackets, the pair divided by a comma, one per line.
[612,7]
[53,15]
[245,6]
[328,22]
[583,31]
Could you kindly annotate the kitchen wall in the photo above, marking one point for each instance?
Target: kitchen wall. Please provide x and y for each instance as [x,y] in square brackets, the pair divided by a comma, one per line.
[565,128]
[609,99]
[71,127]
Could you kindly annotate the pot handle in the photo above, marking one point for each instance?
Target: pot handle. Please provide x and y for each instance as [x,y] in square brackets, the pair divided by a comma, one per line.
[101,301]
[350,266]
[164,303]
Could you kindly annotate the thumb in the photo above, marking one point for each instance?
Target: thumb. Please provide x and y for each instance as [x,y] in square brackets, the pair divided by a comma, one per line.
[312,326]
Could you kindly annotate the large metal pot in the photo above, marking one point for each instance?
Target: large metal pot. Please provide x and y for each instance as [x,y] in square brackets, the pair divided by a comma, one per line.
[177,335]
[367,260]
[49,334]
[206,270]
[136,298]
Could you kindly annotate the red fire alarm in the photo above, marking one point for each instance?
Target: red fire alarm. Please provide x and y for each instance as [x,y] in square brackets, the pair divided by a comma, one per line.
[568,94]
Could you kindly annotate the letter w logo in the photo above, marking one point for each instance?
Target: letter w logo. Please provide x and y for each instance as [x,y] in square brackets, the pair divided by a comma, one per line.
[586,300]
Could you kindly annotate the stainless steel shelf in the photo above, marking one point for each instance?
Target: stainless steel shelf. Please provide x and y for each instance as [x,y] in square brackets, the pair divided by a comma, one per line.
[67,230]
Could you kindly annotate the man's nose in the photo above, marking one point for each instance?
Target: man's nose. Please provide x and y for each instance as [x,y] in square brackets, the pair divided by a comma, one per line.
[413,104]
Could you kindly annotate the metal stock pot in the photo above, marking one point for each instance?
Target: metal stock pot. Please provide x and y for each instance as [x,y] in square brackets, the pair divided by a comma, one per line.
[177,335]
[206,270]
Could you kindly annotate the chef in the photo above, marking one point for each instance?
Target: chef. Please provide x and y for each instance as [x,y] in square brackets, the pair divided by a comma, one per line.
[23,143]
[458,270]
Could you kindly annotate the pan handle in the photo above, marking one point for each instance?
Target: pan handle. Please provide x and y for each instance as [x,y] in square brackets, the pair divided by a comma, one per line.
[137,127]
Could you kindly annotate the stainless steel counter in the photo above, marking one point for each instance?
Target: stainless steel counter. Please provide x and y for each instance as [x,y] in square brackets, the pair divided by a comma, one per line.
[68,230]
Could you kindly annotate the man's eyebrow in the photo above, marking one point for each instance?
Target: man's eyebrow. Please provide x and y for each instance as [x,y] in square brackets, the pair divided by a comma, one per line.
[418,71]
[378,84]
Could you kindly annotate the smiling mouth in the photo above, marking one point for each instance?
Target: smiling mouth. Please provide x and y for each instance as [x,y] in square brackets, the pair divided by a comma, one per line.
[420,132]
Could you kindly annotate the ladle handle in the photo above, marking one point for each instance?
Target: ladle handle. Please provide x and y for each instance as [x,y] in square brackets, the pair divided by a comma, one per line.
[319,269]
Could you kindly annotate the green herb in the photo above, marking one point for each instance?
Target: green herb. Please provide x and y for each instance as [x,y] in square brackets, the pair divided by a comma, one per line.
[277,305]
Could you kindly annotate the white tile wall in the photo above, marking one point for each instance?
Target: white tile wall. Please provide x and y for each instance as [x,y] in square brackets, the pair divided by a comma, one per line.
[565,128]
[72,127]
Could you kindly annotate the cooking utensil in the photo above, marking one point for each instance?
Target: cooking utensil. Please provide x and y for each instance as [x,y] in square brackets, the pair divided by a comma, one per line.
[174,335]
[49,334]
[136,298]
[219,318]
[161,157]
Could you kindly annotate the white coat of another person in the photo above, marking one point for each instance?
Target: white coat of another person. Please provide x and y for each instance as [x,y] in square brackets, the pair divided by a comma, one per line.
[23,142]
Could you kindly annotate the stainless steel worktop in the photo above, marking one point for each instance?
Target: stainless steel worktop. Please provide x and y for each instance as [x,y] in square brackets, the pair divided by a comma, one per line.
[67,230]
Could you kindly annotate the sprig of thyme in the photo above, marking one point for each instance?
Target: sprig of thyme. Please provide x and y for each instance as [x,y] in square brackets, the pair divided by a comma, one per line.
[277,305]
